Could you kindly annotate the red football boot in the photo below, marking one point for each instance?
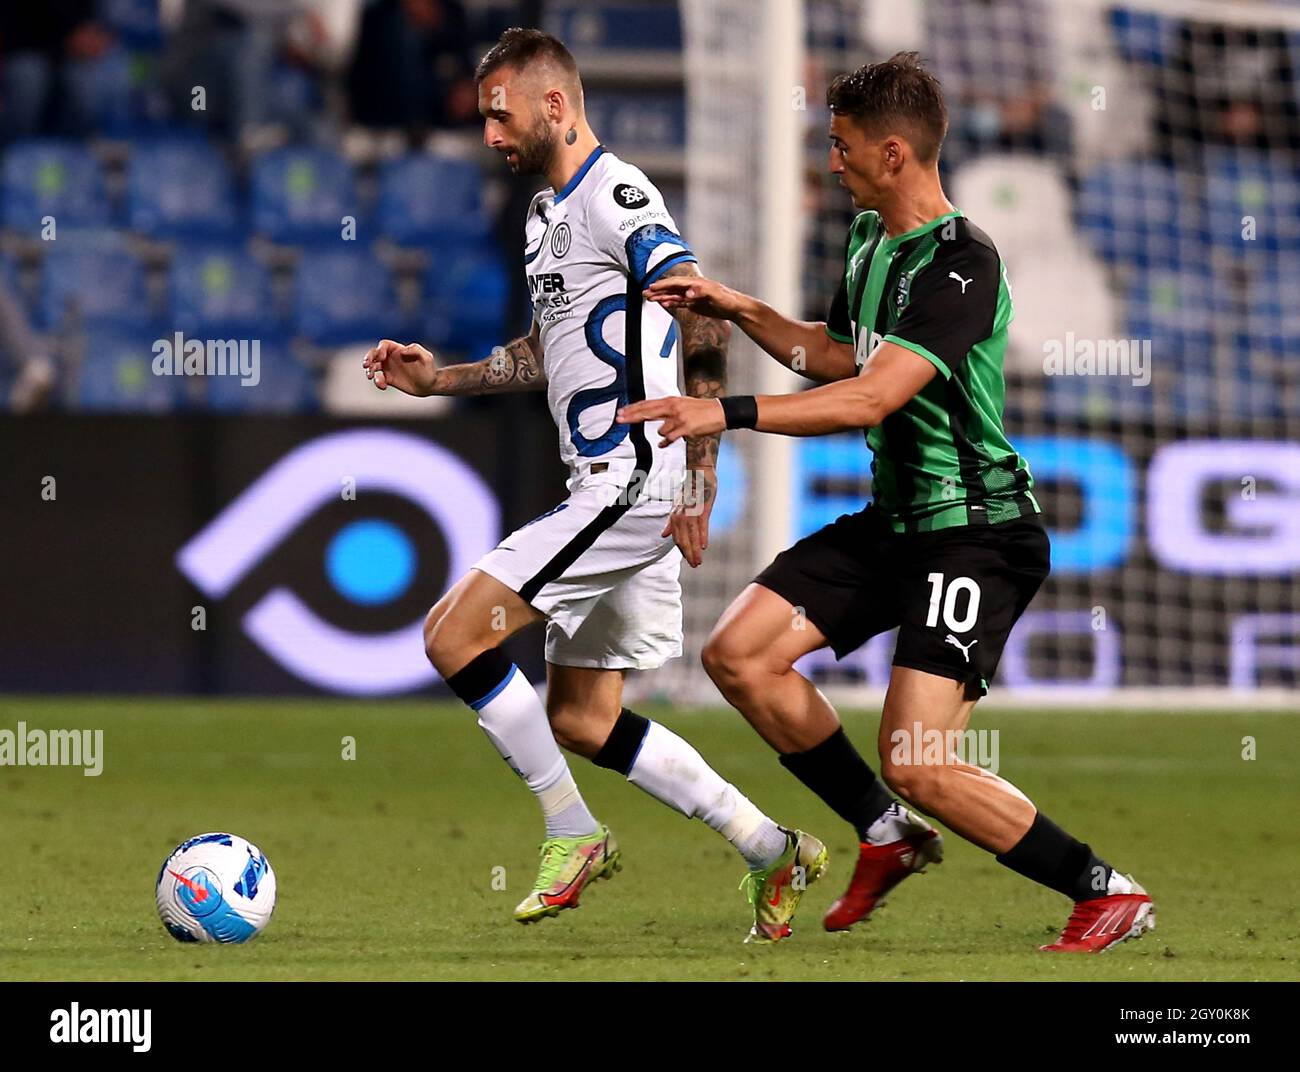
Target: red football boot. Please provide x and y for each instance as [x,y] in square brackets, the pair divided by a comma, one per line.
[1103,922]
[880,868]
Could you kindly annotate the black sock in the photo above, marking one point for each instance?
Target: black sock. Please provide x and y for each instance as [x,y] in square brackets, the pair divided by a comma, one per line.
[620,749]
[476,681]
[1051,857]
[836,773]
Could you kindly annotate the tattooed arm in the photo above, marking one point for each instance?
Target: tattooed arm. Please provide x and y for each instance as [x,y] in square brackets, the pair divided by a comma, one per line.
[704,344]
[517,366]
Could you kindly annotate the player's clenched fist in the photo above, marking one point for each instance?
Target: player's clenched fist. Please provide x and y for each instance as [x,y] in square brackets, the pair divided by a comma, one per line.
[407,366]
[681,417]
[706,297]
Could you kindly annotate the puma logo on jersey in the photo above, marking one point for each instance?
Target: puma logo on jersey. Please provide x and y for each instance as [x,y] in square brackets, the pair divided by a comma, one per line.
[965,648]
[963,282]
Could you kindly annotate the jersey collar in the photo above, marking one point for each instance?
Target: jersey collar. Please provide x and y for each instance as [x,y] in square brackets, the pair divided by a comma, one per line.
[929,226]
[572,184]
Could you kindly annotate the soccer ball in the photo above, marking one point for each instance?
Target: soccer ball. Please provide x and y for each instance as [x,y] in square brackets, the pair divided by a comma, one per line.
[215,888]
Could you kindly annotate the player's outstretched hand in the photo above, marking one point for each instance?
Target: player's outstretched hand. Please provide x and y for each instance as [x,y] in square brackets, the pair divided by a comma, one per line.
[407,366]
[688,524]
[681,417]
[707,297]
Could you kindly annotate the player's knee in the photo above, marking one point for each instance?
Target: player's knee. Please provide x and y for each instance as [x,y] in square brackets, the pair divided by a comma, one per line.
[725,662]
[921,784]
[573,731]
[445,645]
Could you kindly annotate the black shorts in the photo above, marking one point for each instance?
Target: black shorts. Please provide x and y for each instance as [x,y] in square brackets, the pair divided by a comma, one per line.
[954,593]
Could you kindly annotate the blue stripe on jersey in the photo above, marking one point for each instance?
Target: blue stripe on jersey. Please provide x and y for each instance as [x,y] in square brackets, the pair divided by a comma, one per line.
[644,241]
[572,184]
[684,257]
[667,349]
[615,391]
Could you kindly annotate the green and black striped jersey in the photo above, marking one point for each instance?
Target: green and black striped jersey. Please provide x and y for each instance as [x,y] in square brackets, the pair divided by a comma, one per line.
[943,459]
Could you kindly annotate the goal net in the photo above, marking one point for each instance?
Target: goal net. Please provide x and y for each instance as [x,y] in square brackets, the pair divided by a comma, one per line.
[1138,166]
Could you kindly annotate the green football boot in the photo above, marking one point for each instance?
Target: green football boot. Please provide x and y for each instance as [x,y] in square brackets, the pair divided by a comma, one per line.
[567,866]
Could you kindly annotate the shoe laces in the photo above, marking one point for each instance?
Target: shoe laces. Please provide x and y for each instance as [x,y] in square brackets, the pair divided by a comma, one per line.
[554,853]
[753,883]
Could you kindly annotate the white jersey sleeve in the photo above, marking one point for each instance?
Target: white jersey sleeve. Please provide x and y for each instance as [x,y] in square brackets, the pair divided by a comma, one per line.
[631,225]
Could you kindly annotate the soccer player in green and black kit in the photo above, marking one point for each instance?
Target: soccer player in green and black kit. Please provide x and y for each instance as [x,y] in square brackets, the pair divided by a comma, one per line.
[950,551]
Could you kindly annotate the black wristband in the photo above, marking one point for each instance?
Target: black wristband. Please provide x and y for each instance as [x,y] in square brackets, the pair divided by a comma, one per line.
[740,411]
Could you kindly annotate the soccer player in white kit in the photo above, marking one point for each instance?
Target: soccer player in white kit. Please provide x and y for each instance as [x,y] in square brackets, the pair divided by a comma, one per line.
[601,568]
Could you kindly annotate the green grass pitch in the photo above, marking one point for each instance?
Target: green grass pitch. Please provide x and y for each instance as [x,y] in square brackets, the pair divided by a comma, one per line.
[385,863]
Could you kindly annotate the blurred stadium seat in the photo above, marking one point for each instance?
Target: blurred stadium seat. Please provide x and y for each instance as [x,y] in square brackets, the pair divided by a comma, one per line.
[116,373]
[302,195]
[1257,190]
[1058,281]
[180,188]
[285,385]
[466,292]
[1142,213]
[50,178]
[427,200]
[1020,198]
[218,289]
[93,276]
[616,26]
[343,296]
[644,122]
[138,22]
[1143,37]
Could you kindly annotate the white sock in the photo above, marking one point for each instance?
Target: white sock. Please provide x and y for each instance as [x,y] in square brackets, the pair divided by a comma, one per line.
[1118,884]
[673,772]
[894,824]
[515,722]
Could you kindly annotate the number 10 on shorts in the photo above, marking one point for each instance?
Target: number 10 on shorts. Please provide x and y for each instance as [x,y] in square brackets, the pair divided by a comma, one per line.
[949,599]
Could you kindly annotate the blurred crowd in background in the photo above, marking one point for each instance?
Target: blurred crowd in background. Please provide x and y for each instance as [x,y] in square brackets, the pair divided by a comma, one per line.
[309,173]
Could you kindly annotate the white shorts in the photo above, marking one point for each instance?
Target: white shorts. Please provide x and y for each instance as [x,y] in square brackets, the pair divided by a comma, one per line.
[602,574]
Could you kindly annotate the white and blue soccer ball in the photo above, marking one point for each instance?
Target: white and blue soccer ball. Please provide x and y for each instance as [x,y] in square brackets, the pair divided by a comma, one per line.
[216,888]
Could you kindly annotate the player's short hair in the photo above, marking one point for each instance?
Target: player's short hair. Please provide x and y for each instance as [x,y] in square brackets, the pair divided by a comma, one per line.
[520,48]
[897,94]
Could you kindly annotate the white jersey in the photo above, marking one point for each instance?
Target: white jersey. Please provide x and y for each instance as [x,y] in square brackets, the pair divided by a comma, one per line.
[591,249]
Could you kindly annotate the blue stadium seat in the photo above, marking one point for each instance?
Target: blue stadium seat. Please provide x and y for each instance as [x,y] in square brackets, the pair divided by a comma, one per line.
[1178,311]
[343,296]
[1143,37]
[1241,185]
[1142,213]
[1263,360]
[52,178]
[117,374]
[424,199]
[648,120]
[180,188]
[284,385]
[93,275]
[612,26]
[138,22]
[114,93]
[467,288]
[219,289]
[1272,313]
[1182,312]
[302,195]
[1100,398]
[11,280]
